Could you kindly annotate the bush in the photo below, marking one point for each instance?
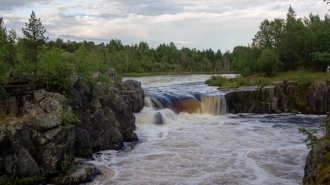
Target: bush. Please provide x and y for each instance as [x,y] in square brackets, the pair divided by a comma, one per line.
[246,72]
[216,81]
[269,63]
[303,81]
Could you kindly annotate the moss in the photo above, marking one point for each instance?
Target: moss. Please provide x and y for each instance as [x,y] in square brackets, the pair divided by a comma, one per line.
[324,138]
[324,168]
[265,94]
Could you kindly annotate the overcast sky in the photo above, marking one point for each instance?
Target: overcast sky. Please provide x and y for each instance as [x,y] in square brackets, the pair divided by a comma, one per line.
[201,24]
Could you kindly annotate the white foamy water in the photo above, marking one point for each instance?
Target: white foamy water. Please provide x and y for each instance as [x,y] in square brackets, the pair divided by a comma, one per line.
[200,149]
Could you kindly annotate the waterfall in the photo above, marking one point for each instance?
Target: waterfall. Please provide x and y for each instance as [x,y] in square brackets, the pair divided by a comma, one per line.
[214,105]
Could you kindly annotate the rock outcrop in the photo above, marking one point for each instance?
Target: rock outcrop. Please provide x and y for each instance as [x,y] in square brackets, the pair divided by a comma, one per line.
[106,120]
[317,168]
[133,94]
[279,97]
[35,146]
[42,144]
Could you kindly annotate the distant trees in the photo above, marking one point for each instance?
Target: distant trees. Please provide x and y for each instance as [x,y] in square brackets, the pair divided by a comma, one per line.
[3,54]
[279,44]
[297,43]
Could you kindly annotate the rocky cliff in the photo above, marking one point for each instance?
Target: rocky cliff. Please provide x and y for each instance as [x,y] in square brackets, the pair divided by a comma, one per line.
[317,168]
[42,145]
[281,96]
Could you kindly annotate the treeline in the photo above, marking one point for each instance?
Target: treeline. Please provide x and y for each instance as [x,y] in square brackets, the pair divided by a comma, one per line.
[286,44]
[141,58]
[279,45]
[35,58]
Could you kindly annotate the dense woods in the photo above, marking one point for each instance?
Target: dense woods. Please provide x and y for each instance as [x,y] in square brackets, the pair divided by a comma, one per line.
[286,44]
[279,45]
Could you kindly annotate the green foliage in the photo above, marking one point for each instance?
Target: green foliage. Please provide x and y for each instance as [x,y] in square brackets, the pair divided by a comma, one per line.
[5,180]
[216,81]
[68,117]
[246,72]
[269,63]
[54,70]
[67,164]
[264,81]
[303,81]
[311,139]
[34,39]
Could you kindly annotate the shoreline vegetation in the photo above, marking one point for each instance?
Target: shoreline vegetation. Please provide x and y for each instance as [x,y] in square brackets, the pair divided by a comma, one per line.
[303,77]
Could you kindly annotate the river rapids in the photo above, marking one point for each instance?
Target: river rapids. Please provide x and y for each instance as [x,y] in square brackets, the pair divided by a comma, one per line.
[186,137]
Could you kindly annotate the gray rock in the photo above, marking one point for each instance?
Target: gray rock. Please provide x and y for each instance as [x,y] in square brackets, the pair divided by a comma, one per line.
[27,165]
[19,131]
[47,121]
[38,96]
[32,109]
[38,138]
[83,173]
[96,74]
[134,90]
[51,157]
[112,72]
[8,164]
[55,96]
[49,104]
[56,135]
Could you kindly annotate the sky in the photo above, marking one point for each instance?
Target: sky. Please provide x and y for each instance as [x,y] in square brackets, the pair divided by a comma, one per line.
[200,24]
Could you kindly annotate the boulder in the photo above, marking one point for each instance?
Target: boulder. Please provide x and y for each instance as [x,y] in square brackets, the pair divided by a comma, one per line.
[49,105]
[33,109]
[26,163]
[46,122]
[112,72]
[134,90]
[83,173]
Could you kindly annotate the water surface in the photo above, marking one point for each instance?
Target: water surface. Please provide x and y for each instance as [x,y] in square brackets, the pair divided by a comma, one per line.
[205,148]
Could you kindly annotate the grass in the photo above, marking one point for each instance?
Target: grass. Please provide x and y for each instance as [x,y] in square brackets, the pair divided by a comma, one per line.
[260,80]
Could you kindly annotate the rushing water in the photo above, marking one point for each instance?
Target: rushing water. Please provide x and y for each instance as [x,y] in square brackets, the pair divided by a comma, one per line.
[185,138]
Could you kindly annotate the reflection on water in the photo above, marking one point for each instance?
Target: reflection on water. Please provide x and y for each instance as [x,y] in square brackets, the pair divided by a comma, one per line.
[206,149]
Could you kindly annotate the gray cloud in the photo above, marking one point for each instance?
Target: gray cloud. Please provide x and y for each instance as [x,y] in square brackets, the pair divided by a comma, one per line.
[7,5]
[197,24]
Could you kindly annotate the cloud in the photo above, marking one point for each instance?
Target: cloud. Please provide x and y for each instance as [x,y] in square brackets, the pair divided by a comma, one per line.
[197,24]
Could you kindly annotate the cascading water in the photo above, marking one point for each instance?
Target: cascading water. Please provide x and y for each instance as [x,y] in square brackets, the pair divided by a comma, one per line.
[186,138]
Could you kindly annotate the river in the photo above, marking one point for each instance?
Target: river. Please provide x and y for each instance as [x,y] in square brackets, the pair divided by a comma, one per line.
[186,137]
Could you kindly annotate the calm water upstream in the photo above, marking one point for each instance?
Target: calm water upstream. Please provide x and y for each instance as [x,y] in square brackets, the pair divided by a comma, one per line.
[186,138]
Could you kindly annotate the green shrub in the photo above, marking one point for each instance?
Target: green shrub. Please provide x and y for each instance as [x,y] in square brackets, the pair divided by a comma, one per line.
[303,82]
[311,139]
[246,72]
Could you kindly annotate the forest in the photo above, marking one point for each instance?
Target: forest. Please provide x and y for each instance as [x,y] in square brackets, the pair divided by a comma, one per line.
[279,45]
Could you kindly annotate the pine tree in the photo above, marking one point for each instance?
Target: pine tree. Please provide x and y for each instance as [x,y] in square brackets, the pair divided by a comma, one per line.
[35,39]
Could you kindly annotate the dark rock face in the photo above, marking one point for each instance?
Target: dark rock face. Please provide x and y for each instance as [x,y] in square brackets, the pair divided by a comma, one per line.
[106,120]
[36,146]
[317,168]
[279,97]
[44,143]
[134,94]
